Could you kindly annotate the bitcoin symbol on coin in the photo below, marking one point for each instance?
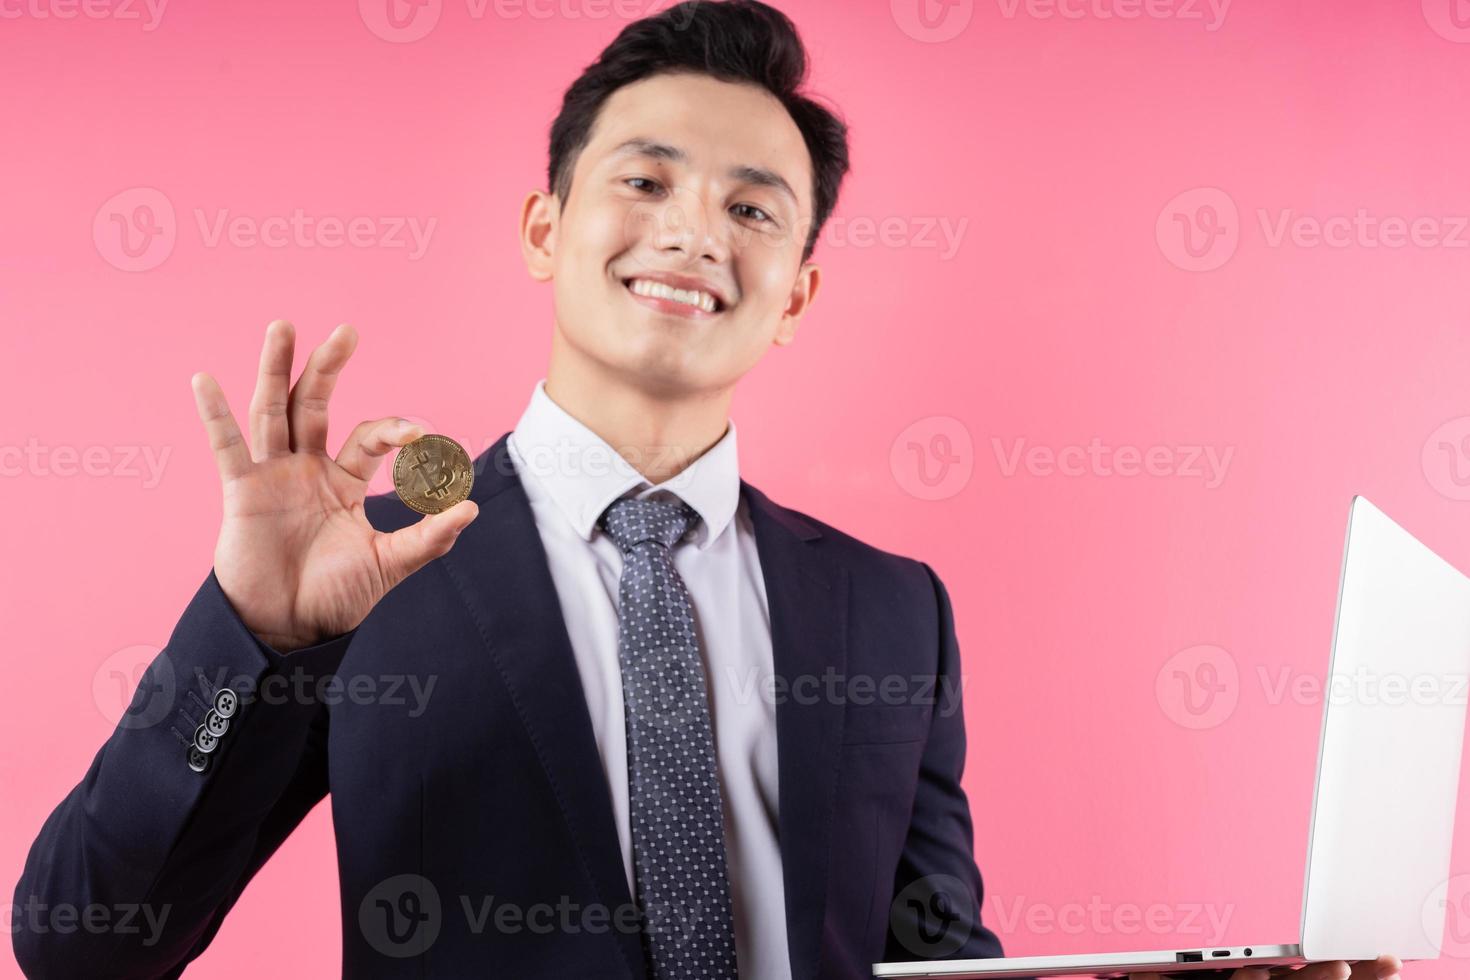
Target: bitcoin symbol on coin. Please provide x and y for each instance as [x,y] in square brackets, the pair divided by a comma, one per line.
[432,474]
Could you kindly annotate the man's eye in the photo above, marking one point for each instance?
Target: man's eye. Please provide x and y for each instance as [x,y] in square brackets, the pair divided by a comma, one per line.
[762,215]
[635,182]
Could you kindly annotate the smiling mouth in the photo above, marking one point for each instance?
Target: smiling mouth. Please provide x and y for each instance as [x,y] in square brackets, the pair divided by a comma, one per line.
[664,297]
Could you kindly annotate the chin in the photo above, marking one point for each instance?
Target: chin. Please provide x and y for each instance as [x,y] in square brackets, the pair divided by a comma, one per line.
[661,373]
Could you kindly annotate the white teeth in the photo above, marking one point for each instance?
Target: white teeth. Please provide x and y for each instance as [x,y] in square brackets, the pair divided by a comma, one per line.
[693,297]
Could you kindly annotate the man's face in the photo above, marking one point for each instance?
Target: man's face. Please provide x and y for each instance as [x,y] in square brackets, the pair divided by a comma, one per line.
[691,179]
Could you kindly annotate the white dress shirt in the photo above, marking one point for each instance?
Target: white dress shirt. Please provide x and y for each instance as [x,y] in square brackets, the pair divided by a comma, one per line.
[571,475]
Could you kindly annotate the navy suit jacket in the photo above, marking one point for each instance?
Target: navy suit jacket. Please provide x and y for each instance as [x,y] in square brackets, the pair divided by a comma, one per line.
[490,789]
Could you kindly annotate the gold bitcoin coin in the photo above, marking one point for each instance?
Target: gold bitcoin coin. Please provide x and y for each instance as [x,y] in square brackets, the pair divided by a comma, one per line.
[432,474]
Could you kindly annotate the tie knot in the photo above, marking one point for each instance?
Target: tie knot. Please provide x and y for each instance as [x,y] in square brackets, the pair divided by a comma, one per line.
[632,521]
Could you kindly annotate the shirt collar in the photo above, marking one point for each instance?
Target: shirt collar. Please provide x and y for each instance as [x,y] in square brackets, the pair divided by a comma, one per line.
[582,474]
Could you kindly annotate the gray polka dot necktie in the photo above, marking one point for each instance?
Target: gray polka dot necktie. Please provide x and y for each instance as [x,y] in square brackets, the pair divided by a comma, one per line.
[673,783]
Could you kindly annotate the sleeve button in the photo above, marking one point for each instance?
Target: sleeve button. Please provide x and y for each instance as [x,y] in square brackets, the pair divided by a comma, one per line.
[203,741]
[198,761]
[225,702]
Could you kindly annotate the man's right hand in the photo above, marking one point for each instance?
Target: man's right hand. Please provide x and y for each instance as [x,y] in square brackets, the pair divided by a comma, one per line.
[296,556]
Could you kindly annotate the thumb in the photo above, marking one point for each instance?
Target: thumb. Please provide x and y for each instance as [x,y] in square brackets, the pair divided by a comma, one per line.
[408,549]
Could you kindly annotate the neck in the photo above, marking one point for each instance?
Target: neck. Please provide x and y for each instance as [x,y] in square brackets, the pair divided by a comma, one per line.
[658,434]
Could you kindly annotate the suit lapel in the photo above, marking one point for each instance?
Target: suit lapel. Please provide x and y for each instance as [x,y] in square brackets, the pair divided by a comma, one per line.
[501,570]
[807,599]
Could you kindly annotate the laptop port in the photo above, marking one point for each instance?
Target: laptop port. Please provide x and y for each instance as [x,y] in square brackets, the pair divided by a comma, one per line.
[1221,952]
[1195,957]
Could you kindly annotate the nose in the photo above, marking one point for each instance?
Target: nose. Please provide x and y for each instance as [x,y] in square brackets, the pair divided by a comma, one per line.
[683,223]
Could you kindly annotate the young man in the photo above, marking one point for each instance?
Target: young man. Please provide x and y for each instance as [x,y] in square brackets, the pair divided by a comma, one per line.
[672,729]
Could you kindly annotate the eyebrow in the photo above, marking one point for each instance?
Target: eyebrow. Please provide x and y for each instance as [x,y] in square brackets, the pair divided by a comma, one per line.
[745,173]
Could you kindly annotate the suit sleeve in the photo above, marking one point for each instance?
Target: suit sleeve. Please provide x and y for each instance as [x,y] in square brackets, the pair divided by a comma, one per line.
[133,872]
[938,890]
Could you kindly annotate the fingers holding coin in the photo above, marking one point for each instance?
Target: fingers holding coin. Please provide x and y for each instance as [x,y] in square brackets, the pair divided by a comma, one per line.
[371,441]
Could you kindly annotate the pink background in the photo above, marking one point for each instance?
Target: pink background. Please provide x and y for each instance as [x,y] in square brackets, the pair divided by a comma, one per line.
[1068,152]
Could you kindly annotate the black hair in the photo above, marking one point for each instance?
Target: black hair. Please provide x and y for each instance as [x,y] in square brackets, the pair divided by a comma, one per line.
[731,40]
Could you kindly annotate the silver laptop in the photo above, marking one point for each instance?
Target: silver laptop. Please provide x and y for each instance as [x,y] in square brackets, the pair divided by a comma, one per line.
[1388,771]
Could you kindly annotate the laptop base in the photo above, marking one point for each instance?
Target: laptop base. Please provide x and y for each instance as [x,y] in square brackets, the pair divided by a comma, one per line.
[1166,963]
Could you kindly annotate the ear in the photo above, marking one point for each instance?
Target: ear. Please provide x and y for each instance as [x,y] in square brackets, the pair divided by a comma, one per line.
[803,292]
[538,233]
